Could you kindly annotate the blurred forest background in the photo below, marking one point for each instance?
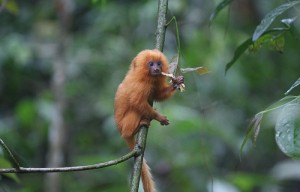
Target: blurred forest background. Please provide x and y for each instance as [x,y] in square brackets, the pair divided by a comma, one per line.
[61,62]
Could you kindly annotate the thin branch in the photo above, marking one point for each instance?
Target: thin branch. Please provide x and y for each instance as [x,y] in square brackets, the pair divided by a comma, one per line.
[10,154]
[177,40]
[177,33]
[71,169]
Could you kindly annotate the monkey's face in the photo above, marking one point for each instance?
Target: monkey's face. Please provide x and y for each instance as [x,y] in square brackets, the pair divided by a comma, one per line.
[149,63]
[155,67]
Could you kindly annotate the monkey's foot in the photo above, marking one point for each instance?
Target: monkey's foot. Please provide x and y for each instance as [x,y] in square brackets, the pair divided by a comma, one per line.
[145,122]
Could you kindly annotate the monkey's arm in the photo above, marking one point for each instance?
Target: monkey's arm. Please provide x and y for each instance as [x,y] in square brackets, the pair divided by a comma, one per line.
[139,101]
[164,93]
[166,90]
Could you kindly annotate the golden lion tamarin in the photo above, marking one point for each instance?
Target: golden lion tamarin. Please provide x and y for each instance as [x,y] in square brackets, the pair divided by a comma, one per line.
[143,83]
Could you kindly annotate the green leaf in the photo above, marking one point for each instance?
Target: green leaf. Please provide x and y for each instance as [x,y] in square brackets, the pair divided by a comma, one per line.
[277,43]
[254,46]
[219,8]
[287,129]
[269,18]
[238,52]
[293,86]
[260,41]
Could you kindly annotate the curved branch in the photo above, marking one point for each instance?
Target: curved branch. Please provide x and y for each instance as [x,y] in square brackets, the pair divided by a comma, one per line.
[70,169]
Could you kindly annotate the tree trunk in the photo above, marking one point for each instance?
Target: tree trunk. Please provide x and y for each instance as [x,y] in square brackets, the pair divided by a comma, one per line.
[57,131]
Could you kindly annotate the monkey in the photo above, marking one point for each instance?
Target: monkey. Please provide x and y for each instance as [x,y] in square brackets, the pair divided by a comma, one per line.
[143,83]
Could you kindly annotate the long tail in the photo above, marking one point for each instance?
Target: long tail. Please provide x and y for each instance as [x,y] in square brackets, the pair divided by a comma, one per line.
[148,183]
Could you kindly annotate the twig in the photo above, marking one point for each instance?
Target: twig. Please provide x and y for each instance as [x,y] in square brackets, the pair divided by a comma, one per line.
[70,169]
[10,154]
[177,34]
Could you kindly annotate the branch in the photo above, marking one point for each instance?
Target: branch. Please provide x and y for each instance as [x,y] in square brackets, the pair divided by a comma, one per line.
[10,155]
[177,34]
[161,24]
[140,146]
[143,130]
[70,169]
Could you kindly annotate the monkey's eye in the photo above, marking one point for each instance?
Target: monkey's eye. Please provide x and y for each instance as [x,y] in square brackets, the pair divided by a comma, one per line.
[159,63]
[151,63]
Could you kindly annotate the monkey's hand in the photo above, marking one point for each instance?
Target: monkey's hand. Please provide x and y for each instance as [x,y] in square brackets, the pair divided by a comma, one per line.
[178,83]
[162,119]
[178,80]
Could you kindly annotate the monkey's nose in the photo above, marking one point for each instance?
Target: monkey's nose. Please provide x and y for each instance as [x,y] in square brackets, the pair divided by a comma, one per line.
[157,70]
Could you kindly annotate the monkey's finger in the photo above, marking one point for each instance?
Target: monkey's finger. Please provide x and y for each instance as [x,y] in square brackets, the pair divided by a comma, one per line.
[180,79]
[165,122]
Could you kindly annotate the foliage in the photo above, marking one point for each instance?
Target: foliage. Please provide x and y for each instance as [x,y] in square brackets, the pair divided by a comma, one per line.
[262,36]
[287,125]
[286,129]
[219,8]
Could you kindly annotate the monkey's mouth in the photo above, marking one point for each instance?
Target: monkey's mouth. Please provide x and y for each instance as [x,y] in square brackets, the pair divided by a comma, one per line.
[156,73]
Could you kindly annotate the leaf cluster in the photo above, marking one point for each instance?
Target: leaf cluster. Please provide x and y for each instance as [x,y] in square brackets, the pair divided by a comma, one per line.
[286,123]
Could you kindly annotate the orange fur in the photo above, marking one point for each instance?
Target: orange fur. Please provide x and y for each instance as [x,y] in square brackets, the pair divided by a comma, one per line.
[132,98]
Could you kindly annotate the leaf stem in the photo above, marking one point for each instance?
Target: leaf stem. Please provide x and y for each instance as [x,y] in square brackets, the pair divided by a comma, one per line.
[274,108]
